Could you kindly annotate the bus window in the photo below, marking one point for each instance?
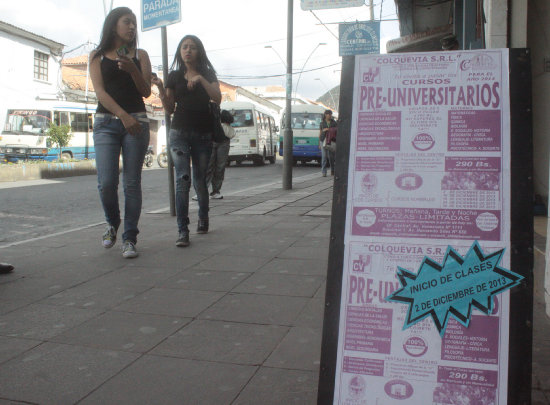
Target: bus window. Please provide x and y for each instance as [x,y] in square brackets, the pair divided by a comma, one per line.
[306,120]
[242,118]
[61,118]
[27,122]
[79,122]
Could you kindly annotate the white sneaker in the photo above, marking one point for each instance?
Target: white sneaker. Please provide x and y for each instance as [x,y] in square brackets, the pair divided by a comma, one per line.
[216,196]
[195,198]
[129,250]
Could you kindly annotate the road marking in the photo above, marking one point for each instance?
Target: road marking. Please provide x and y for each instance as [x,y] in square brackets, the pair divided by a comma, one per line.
[27,183]
[50,235]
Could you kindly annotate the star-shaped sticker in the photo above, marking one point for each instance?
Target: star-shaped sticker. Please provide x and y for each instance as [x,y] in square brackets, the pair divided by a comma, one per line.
[438,290]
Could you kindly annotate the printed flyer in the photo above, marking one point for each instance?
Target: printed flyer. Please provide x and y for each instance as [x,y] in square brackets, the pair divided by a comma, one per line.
[427,213]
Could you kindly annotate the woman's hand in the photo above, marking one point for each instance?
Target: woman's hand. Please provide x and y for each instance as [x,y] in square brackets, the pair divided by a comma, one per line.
[126,64]
[194,81]
[157,81]
[131,124]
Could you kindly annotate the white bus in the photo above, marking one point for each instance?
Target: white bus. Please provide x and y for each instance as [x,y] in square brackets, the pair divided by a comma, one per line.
[306,121]
[255,133]
[24,134]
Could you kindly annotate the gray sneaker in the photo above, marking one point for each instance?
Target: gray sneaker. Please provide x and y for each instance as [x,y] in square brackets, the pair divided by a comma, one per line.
[183,239]
[129,250]
[109,237]
[216,196]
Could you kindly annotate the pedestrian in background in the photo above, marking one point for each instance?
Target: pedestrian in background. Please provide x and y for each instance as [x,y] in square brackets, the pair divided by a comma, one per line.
[190,86]
[121,75]
[327,136]
[218,159]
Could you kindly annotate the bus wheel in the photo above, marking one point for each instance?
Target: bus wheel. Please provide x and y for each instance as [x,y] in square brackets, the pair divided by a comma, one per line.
[259,161]
[66,156]
[271,159]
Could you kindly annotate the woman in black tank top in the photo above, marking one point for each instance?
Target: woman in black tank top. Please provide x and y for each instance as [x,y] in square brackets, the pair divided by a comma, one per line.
[121,76]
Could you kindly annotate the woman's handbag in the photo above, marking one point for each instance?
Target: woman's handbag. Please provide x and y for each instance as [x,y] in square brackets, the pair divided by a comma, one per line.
[330,143]
[218,133]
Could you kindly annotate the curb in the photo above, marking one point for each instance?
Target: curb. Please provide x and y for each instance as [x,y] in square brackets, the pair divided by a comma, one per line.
[46,170]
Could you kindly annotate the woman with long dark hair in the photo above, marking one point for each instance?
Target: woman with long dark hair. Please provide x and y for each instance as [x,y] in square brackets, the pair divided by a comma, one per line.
[121,75]
[191,86]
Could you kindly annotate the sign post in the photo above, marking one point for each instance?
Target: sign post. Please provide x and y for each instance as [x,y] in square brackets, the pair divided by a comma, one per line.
[429,287]
[155,14]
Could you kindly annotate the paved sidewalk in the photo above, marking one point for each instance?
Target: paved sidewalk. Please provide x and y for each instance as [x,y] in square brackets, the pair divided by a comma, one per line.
[235,318]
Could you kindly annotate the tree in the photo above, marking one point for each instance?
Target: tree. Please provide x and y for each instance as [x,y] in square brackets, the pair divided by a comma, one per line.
[59,135]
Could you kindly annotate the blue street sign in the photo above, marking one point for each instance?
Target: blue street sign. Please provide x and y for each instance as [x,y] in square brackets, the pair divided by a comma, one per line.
[159,13]
[359,38]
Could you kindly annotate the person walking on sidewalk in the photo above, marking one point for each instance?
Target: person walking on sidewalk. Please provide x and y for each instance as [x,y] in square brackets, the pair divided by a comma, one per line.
[190,86]
[218,159]
[327,136]
[121,75]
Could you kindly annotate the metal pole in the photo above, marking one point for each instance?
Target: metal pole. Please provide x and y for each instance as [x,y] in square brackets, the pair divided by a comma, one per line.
[288,159]
[171,188]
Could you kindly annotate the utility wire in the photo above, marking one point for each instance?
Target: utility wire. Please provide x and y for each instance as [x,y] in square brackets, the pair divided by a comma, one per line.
[323,24]
[277,75]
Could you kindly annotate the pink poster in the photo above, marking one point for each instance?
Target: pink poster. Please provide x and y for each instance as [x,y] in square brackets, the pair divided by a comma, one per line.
[428,170]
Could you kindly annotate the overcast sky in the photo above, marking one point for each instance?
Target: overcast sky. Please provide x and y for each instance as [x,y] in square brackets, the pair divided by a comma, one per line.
[234,32]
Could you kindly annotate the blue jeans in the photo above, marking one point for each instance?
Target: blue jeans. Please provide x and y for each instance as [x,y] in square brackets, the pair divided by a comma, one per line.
[110,137]
[187,146]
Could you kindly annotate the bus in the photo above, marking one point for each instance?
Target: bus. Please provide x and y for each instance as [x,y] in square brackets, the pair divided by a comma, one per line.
[24,135]
[306,121]
[255,133]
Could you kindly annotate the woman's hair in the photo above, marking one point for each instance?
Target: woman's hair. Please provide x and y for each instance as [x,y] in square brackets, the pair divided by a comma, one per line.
[203,63]
[226,117]
[108,32]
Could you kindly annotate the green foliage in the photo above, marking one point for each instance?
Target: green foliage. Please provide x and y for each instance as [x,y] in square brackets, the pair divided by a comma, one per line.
[59,135]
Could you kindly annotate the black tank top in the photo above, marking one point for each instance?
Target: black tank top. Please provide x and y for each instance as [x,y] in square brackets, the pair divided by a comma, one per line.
[121,87]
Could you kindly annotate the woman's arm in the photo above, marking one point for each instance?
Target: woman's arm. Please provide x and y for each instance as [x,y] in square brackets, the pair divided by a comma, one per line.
[142,79]
[212,89]
[130,123]
[166,95]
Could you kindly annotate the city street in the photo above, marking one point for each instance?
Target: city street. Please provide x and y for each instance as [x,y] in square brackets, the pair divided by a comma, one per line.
[32,209]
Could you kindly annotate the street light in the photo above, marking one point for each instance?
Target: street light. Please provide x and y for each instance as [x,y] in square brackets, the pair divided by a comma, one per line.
[277,53]
[303,67]
[329,92]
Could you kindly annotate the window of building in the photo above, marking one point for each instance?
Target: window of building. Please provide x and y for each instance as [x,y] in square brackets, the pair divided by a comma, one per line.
[40,65]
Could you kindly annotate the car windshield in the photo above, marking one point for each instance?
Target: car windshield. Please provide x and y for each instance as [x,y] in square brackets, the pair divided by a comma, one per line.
[306,120]
[242,118]
[27,122]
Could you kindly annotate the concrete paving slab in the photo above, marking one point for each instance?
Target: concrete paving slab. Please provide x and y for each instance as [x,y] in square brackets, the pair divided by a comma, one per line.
[171,302]
[39,321]
[35,289]
[233,263]
[312,315]
[298,252]
[226,342]
[99,293]
[296,266]
[205,280]
[13,347]
[59,374]
[140,276]
[277,386]
[280,284]
[299,350]
[155,379]
[122,331]
[253,308]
